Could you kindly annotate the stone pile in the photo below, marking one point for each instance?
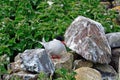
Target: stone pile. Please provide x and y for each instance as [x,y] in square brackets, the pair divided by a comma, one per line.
[94,54]
[29,64]
[88,39]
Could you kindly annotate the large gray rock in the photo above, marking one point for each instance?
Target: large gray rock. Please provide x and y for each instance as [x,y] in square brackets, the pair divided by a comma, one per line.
[113,39]
[36,60]
[87,38]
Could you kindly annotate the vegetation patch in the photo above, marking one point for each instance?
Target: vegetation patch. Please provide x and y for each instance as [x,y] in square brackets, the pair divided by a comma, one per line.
[24,22]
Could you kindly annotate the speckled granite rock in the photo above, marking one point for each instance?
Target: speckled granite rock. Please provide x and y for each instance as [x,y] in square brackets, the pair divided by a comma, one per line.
[36,60]
[87,38]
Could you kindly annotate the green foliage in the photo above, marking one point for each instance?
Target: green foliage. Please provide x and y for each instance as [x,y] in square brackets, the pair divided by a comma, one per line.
[65,75]
[62,74]
[23,22]
[43,76]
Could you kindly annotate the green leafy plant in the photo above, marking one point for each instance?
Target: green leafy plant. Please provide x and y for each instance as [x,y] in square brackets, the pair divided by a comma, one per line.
[65,75]
[24,22]
[60,74]
[43,76]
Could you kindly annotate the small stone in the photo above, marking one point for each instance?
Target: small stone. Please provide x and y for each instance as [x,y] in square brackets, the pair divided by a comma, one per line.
[115,58]
[117,8]
[113,39]
[22,75]
[86,73]
[15,67]
[17,57]
[106,4]
[66,61]
[82,63]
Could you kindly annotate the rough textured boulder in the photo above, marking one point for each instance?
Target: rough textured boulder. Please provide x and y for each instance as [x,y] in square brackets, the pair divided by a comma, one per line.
[66,61]
[82,63]
[29,64]
[36,60]
[87,38]
[86,73]
[113,39]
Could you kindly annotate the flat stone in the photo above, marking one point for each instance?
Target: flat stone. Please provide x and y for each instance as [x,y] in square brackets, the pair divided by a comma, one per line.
[22,75]
[107,71]
[87,38]
[86,73]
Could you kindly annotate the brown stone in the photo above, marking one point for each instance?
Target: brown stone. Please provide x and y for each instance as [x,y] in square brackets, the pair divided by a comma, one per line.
[105,68]
[106,4]
[66,61]
[17,57]
[86,73]
[116,52]
[87,38]
[82,63]
[15,67]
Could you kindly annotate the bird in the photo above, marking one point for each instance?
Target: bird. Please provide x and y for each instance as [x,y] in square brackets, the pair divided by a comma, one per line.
[55,47]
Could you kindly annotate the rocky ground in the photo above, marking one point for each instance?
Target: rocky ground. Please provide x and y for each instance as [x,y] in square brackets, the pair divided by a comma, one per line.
[94,55]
